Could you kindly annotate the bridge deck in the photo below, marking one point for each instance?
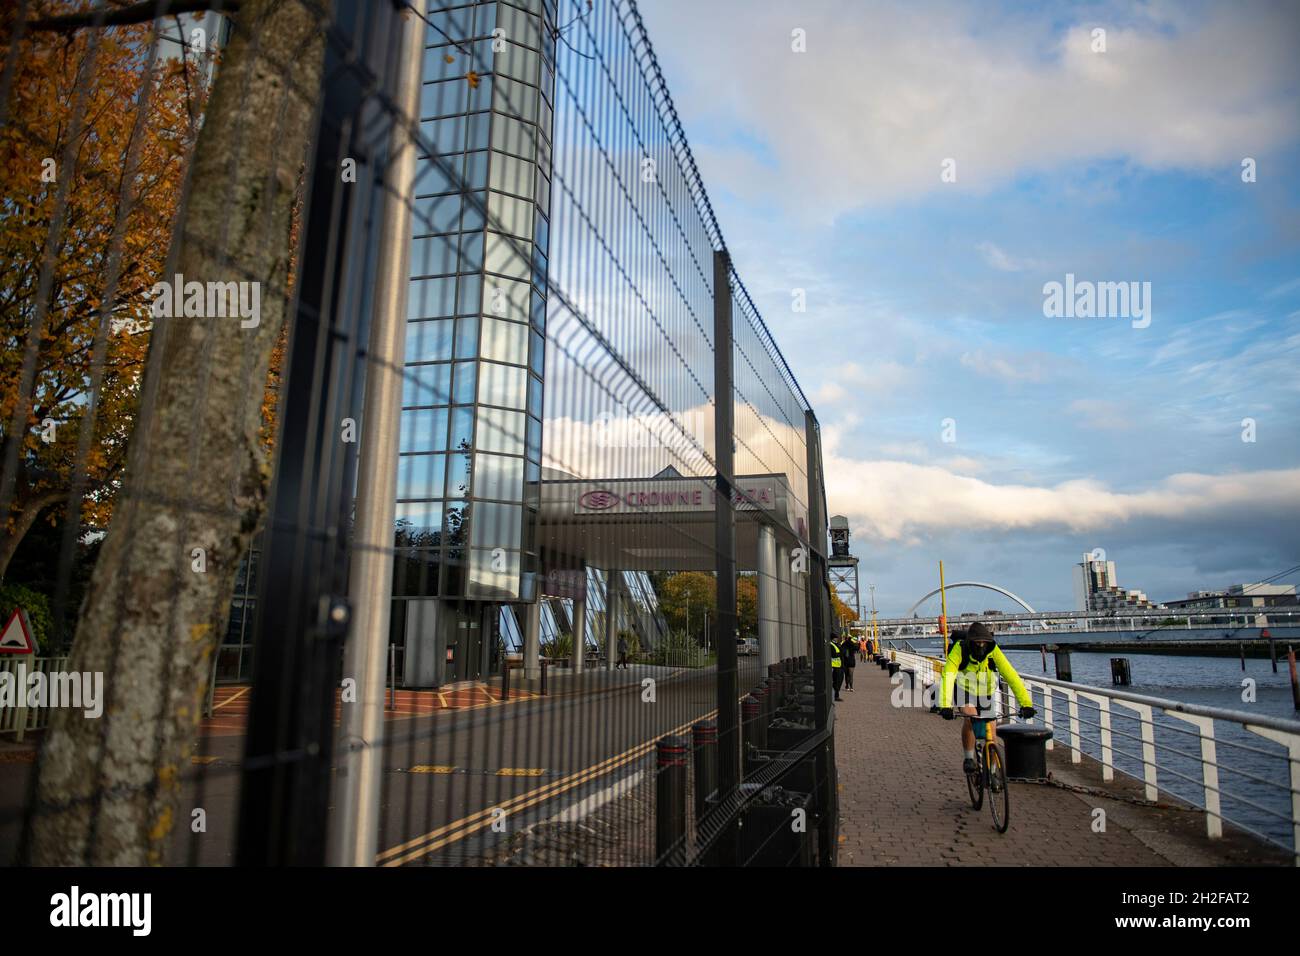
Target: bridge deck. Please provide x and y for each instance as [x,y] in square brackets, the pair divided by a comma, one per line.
[903,802]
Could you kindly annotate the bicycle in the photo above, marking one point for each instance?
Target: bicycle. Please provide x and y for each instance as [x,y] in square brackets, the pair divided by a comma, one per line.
[990,774]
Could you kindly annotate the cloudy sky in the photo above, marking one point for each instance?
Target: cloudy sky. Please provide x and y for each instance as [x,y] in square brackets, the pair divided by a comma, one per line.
[960,422]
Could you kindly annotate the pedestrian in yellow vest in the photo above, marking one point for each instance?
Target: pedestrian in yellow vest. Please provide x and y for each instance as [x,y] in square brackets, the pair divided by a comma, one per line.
[837,663]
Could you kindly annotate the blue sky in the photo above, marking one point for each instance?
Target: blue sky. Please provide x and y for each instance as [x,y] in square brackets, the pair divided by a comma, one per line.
[925,298]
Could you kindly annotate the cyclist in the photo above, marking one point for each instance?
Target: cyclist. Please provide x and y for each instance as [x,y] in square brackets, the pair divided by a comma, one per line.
[972,660]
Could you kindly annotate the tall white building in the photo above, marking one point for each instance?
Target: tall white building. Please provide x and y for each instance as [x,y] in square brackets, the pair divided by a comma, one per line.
[1096,586]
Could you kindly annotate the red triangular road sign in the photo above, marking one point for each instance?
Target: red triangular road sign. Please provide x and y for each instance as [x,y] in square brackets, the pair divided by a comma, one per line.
[16,638]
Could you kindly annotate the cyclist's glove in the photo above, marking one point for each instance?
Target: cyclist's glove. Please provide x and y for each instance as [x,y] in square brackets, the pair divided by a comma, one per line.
[946,713]
[1027,713]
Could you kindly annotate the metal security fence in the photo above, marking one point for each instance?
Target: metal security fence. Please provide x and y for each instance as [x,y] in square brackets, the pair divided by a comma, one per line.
[424,306]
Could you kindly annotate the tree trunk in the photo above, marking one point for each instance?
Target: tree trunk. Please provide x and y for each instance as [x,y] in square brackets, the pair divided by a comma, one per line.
[197,475]
[26,512]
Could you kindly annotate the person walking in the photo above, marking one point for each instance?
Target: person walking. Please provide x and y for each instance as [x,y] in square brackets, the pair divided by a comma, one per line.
[622,652]
[837,663]
[850,661]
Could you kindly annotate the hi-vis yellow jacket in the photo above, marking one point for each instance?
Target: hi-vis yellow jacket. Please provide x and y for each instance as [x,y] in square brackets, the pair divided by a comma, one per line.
[978,677]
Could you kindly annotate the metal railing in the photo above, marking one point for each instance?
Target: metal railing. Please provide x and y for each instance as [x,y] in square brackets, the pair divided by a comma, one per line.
[1090,725]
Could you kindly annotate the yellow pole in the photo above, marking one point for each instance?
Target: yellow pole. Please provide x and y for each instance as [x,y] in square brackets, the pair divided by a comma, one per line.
[943,601]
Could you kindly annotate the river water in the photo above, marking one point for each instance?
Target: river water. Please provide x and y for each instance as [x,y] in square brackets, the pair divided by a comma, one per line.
[1254,772]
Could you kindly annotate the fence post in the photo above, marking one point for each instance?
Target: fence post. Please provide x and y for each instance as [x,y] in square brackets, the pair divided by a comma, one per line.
[1209,770]
[1148,746]
[728,691]
[303,615]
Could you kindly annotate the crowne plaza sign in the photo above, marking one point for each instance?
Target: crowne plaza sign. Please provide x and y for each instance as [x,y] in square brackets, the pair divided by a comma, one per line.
[675,496]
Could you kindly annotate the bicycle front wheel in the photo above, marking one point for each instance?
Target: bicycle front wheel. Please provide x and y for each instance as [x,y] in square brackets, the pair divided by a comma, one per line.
[999,791]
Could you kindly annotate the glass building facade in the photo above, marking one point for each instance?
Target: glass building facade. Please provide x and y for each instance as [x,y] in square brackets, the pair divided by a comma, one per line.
[471,430]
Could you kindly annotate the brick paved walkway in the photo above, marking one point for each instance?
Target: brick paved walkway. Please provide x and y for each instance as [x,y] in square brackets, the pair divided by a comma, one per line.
[903,798]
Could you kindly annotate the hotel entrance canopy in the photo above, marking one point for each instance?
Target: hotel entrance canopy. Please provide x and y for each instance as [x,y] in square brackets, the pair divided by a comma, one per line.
[664,523]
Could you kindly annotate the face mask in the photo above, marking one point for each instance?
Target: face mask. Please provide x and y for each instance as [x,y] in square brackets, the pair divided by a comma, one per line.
[981,651]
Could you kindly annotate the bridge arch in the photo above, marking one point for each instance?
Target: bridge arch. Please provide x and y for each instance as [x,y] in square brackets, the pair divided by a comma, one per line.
[972,584]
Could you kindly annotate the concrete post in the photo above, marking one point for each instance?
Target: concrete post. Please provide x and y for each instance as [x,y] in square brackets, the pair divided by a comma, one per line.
[785,644]
[769,587]
[533,640]
[612,581]
[579,631]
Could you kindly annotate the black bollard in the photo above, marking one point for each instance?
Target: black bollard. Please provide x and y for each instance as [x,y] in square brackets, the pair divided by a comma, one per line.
[1119,672]
[704,737]
[670,802]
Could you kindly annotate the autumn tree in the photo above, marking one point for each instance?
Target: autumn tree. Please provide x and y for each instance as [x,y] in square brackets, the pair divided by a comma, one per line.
[197,472]
[95,143]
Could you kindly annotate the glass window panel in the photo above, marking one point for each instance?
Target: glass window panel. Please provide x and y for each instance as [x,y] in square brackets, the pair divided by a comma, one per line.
[500,430]
[512,175]
[534,396]
[426,385]
[443,99]
[503,256]
[497,476]
[538,313]
[458,475]
[462,428]
[424,429]
[496,525]
[543,155]
[476,170]
[418,523]
[471,252]
[421,476]
[502,385]
[506,299]
[532,472]
[533,448]
[514,216]
[519,27]
[457,24]
[539,269]
[543,193]
[487,582]
[538,359]
[480,128]
[542,232]
[544,110]
[517,61]
[487,19]
[474,208]
[444,62]
[431,298]
[505,341]
[444,135]
[433,177]
[514,99]
[480,97]
[468,296]
[467,338]
[433,256]
[436,214]
[514,137]
[463,393]
[428,341]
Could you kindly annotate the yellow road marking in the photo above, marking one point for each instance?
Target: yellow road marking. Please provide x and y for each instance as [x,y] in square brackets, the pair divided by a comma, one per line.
[521,771]
[202,760]
[446,834]
[232,697]
[432,768]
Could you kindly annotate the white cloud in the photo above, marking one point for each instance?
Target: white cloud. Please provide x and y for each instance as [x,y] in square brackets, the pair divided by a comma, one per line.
[896,501]
[1002,260]
[886,91]
[1101,414]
